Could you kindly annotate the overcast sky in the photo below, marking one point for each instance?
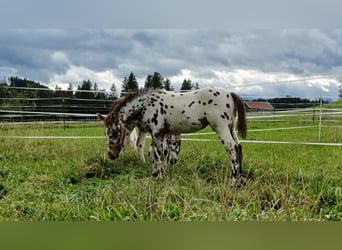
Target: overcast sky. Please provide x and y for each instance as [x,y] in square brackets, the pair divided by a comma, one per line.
[279,62]
[265,48]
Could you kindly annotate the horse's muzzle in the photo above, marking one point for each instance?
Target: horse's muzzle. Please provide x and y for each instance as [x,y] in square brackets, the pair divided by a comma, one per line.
[113,154]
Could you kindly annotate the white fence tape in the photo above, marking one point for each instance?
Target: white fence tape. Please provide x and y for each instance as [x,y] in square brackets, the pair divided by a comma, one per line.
[295,143]
[289,115]
[256,130]
[48,113]
[272,142]
[51,137]
[183,139]
[252,116]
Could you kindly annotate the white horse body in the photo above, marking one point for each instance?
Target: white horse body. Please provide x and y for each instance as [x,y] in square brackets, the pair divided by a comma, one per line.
[186,112]
[162,113]
[167,113]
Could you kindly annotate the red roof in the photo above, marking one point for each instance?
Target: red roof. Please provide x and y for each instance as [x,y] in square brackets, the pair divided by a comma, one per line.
[259,105]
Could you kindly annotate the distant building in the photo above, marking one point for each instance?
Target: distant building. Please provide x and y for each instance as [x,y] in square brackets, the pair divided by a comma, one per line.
[259,106]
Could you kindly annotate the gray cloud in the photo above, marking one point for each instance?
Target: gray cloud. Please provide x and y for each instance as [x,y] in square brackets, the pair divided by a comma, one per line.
[228,58]
[130,14]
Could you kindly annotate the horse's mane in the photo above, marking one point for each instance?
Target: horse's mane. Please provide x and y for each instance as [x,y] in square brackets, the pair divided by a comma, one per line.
[118,103]
[122,101]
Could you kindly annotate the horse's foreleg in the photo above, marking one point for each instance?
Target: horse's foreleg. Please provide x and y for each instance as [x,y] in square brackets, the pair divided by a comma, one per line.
[133,138]
[157,157]
[141,144]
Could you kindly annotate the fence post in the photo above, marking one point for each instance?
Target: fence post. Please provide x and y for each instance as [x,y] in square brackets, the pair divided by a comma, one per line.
[320,118]
[313,114]
[63,113]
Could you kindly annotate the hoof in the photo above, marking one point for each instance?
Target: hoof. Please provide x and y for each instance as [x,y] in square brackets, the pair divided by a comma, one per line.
[173,161]
[239,181]
[235,183]
[155,172]
[158,174]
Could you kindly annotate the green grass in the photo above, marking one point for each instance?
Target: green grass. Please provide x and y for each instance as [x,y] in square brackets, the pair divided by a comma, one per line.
[334,104]
[73,180]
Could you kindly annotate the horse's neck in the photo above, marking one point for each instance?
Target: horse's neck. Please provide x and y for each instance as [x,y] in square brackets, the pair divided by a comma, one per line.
[134,109]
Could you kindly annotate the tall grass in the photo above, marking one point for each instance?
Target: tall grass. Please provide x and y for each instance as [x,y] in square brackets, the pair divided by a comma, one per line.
[73,180]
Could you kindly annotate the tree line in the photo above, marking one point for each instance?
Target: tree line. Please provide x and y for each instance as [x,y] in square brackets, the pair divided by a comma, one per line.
[289,102]
[156,80]
[21,94]
[24,88]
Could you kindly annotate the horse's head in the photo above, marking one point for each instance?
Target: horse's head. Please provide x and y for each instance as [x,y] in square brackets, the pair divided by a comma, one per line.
[115,132]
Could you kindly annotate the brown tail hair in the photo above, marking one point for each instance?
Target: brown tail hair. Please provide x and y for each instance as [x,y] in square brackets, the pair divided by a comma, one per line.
[241,110]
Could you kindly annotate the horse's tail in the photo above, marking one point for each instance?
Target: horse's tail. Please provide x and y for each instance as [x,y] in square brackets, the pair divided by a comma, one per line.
[241,110]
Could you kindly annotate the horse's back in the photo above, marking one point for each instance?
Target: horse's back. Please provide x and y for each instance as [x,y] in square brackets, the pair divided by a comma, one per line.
[193,110]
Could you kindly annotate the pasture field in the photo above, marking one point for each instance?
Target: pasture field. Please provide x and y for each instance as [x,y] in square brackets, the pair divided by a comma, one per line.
[72,179]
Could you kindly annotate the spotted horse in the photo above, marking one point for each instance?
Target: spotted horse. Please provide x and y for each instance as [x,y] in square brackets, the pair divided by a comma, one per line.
[171,146]
[137,141]
[160,113]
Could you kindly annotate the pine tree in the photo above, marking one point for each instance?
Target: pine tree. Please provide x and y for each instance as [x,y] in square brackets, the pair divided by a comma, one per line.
[148,81]
[132,82]
[85,92]
[58,91]
[186,85]
[155,81]
[167,85]
[129,84]
[113,92]
[124,86]
[99,93]
[69,92]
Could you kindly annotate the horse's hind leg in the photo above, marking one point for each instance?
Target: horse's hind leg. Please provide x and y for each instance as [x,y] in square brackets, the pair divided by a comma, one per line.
[233,149]
[238,148]
[173,144]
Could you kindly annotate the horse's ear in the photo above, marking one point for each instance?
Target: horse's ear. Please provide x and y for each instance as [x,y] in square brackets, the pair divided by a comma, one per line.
[101,117]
